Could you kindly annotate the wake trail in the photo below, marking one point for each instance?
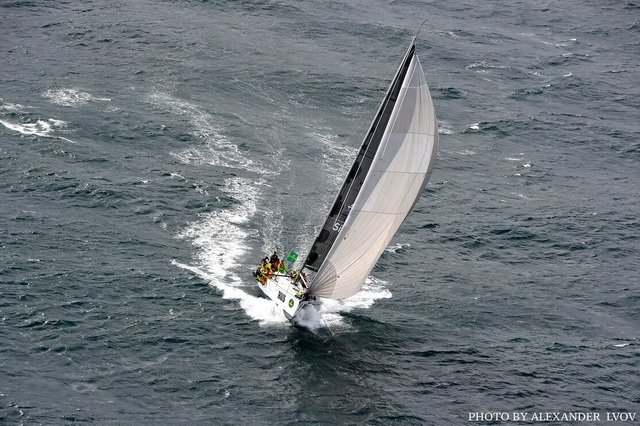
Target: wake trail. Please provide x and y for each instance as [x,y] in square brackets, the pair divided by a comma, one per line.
[223,237]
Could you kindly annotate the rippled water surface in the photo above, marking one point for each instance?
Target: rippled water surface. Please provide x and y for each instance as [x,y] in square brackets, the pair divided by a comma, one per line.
[152,151]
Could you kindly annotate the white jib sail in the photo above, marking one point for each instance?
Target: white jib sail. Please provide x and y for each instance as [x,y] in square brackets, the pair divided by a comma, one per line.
[400,171]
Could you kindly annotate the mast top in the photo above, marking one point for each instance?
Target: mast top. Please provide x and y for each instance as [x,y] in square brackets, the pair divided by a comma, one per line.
[418,32]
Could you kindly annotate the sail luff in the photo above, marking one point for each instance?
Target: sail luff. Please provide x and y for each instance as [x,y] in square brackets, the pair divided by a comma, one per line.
[354,180]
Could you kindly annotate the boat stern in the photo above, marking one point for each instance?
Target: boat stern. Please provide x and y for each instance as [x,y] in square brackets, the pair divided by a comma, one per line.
[286,294]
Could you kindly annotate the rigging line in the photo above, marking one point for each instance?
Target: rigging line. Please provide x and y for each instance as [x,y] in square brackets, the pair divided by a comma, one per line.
[374,128]
[361,122]
[418,32]
[364,117]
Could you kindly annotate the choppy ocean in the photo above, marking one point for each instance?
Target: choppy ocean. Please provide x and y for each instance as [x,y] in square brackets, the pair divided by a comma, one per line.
[152,151]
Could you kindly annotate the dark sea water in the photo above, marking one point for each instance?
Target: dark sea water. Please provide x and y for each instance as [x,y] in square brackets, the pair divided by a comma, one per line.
[152,151]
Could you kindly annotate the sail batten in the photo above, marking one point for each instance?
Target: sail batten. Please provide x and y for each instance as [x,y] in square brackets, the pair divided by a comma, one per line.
[382,186]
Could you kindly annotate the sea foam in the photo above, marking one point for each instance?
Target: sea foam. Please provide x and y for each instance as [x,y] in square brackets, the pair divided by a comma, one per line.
[42,128]
[71,97]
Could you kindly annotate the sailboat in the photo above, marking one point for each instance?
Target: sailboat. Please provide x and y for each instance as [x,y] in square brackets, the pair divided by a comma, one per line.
[383,185]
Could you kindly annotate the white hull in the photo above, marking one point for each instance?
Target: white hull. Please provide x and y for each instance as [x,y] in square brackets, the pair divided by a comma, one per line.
[284,293]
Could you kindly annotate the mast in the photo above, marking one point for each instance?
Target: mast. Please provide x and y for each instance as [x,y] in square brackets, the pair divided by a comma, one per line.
[354,180]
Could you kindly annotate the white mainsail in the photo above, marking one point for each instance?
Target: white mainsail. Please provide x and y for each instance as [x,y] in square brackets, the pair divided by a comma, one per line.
[397,176]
